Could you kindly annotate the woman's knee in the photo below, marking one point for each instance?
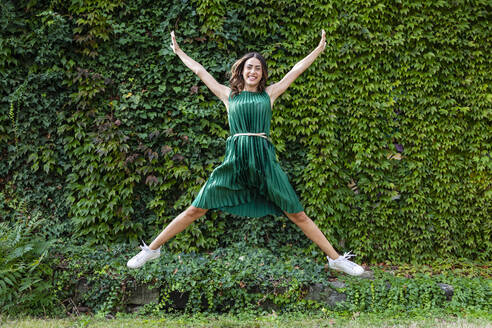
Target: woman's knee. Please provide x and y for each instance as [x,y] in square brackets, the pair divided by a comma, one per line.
[297,218]
[196,211]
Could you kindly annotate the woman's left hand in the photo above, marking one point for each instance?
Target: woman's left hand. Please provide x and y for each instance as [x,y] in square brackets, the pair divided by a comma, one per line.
[322,43]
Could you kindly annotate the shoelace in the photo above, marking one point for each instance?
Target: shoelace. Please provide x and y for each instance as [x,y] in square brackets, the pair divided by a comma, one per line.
[345,256]
[146,248]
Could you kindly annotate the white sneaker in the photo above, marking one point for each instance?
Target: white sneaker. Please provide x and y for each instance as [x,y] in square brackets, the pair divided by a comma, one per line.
[342,263]
[146,254]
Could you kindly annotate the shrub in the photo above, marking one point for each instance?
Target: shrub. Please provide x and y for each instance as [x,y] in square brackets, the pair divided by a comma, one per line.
[25,268]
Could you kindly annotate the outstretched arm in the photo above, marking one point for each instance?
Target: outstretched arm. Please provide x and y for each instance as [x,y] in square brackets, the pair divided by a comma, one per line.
[275,90]
[218,89]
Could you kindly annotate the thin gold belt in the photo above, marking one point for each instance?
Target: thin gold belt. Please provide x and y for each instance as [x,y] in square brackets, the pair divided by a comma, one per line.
[261,134]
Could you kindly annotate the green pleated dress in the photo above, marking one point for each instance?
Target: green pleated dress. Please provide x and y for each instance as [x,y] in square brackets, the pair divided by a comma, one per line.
[249,182]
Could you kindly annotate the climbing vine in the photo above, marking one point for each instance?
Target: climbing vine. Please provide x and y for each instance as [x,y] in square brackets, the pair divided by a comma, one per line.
[385,138]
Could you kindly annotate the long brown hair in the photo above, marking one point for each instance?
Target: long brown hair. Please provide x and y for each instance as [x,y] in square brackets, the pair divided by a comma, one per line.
[236,81]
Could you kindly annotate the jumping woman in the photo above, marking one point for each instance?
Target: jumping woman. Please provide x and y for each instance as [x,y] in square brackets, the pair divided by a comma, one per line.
[250,181]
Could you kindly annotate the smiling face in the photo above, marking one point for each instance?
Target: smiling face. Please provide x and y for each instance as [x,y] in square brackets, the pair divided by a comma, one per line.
[252,73]
[249,73]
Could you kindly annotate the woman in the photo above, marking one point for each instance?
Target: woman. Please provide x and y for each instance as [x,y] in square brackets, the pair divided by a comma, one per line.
[250,181]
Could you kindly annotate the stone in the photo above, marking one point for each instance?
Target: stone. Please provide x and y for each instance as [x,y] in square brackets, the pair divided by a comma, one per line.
[337,284]
[328,295]
[81,289]
[141,295]
[448,290]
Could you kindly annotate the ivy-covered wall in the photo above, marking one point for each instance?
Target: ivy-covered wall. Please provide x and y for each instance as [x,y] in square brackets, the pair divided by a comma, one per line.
[385,138]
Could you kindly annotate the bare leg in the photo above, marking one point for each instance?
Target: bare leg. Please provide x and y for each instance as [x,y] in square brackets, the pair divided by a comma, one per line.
[312,231]
[177,225]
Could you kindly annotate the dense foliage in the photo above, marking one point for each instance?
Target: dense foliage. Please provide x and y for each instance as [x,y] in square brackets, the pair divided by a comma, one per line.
[386,137]
[25,269]
[242,277]
[233,279]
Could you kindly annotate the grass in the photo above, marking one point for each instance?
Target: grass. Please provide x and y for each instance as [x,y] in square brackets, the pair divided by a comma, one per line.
[357,320]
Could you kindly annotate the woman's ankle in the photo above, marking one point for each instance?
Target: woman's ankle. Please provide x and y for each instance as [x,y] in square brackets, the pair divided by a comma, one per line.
[336,255]
[153,247]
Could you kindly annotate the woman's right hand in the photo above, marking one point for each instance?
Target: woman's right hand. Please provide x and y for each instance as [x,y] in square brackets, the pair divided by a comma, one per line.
[174,44]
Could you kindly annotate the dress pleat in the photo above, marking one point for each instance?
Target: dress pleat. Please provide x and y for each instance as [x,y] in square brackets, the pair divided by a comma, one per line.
[249,182]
